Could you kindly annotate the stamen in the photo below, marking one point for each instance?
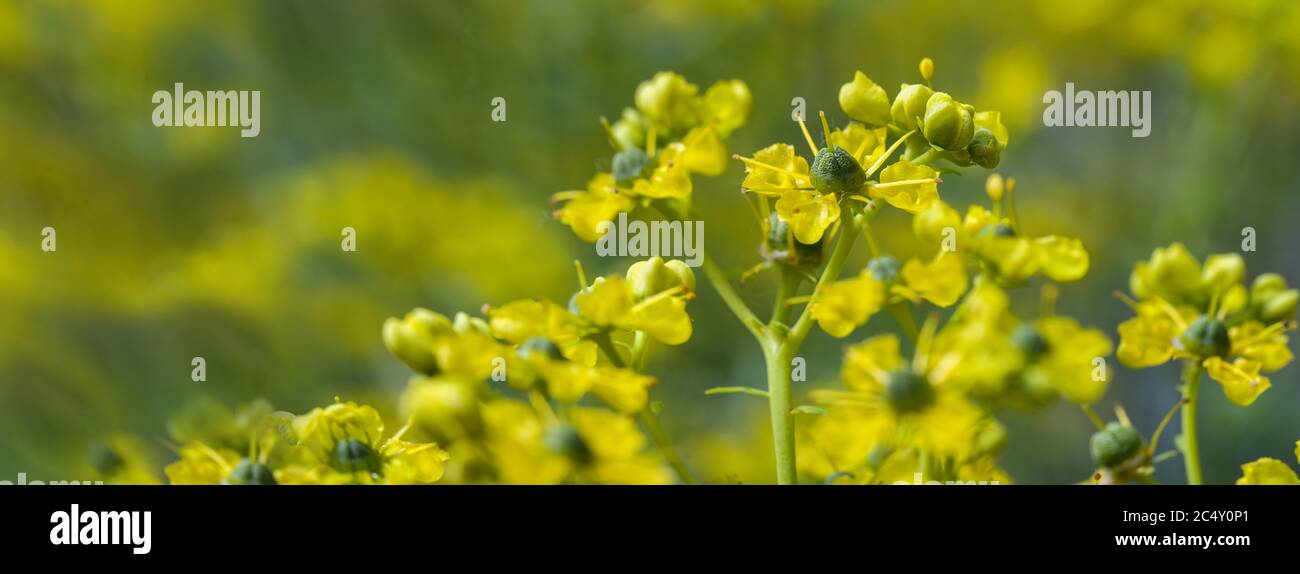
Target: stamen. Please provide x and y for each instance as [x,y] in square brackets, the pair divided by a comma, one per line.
[826,128]
[885,156]
[756,163]
[808,137]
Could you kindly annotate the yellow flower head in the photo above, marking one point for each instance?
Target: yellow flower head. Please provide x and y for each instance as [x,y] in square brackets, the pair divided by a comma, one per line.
[913,405]
[673,132]
[1207,317]
[344,443]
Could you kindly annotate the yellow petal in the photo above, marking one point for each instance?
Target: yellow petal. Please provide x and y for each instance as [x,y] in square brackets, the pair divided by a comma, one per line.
[670,177]
[1268,471]
[867,364]
[705,153]
[609,435]
[1270,351]
[608,301]
[413,463]
[930,224]
[587,210]
[911,197]
[1015,258]
[808,214]
[622,389]
[1147,340]
[841,306]
[664,318]
[1063,259]
[779,168]
[1241,380]
[865,101]
[727,104]
[1072,349]
[941,281]
[865,144]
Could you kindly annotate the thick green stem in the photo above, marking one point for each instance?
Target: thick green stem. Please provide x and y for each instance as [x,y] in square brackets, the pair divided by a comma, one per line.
[1190,446]
[779,404]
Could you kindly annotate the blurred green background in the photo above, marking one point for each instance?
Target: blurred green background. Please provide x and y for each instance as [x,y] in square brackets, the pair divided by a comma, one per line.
[175,243]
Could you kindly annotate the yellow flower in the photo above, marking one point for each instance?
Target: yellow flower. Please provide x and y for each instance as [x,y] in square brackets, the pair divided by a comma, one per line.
[588,211]
[911,188]
[1235,357]
[727,104]
[842,306]
[344,443]
[670,177]
[611,450]
[669,102]
[610,302]
[916,404]
[776,168]
[1066,361]
[808,213]
[201,464]
[941,281]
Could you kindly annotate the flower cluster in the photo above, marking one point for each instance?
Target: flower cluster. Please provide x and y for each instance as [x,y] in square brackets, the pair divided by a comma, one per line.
[343,443]
[673,132]
[550,356]
[1206,316]
[540,392]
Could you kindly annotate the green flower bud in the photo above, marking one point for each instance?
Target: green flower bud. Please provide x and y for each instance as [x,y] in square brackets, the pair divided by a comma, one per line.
[1222,271]
[464,324]
[1206,337]
[629,165]
[884,268]
[984,149]
[352,455]
[948,124]
[411,338]
[1115,445]
[1027,338]
[655,276]
[835,171]
[669,102]
[865,101]
[1279,307]
[909,105]
[907,392]
[564,439]
[248,472]
[629,130]
[1267,284]
[1270,299]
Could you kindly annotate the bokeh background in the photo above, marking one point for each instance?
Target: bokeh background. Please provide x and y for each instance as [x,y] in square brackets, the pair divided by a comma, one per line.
[175,243]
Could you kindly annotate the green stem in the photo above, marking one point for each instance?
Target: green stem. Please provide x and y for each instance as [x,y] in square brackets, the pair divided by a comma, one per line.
[840,253]
[1190,446]
[778,359]
[787,286]
[606,344]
